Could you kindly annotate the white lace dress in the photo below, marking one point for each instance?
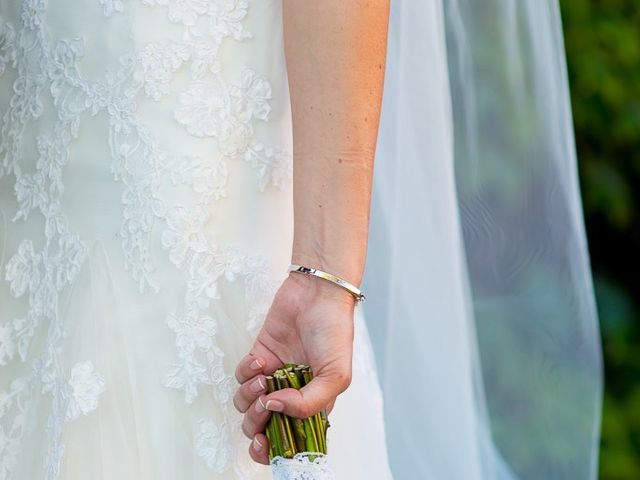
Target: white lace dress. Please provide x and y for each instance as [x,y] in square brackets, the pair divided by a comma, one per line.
[145,224]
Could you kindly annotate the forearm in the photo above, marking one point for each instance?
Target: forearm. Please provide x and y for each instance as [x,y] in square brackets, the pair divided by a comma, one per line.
[335,52]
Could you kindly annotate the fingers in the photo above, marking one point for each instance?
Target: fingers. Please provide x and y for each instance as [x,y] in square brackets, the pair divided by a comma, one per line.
[259,449]
[259,360]
[248,392]
[258,411]
[249,366]
[298,403]
[311,398]
[256,417]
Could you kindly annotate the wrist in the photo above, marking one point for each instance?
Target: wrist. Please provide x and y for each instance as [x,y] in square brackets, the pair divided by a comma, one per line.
[350,269]
[319,289]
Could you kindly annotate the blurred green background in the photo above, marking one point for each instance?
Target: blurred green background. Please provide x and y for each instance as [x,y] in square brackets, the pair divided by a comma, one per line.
[603,52]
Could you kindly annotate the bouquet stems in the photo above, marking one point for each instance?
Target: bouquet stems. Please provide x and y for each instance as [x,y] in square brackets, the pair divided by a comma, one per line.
[290,435]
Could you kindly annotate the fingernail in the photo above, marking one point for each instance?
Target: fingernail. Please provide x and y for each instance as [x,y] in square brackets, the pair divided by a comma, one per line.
[260,407]
[257,385]
[256,364]
[257,446]
[274,405]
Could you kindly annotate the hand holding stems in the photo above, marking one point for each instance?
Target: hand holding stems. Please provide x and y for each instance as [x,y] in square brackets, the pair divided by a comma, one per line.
[335,52]
[309,322]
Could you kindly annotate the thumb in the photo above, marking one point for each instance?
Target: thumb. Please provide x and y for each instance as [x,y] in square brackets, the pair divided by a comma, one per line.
[310,399]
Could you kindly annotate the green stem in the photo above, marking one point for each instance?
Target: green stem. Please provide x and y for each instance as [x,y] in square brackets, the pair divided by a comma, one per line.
[280,379]
[325,425]
[298,371]
[274,427]
[289,435]
[308,424]
[288,380]
[320,431]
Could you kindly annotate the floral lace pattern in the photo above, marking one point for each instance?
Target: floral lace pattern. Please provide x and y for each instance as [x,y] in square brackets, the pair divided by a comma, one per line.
[86,386]
[40,273]
[302,467]
[213,445]
[216,105]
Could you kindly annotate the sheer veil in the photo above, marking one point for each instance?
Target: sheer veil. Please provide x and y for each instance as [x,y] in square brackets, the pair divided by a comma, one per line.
[480,302]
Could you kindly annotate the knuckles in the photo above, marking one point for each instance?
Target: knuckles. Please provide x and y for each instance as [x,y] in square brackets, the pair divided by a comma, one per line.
[236,404]
[343,380]
[246,431]
[248,428]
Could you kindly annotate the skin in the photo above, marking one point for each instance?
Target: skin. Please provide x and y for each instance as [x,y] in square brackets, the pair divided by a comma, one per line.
[335,53]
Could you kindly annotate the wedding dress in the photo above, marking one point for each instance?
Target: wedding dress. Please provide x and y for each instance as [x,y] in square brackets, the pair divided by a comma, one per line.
[145,224]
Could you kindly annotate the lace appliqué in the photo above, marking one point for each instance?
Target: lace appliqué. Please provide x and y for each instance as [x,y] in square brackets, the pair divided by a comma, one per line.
[213,445]
[41,273]
[212,107]
[109,7]
[86,385]
[159,60]
[302,467]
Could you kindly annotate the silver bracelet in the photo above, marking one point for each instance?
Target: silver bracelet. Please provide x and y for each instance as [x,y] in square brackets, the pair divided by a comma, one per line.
[355,291]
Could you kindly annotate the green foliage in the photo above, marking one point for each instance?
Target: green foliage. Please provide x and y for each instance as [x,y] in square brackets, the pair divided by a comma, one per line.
[603,51]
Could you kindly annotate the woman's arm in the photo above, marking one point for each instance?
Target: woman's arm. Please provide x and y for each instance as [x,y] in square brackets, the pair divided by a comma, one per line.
[335,52]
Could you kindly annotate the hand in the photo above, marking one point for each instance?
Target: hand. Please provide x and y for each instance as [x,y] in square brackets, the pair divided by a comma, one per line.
[310,322]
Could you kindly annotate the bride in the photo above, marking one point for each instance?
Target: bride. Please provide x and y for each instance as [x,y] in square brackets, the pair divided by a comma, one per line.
[164,162]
